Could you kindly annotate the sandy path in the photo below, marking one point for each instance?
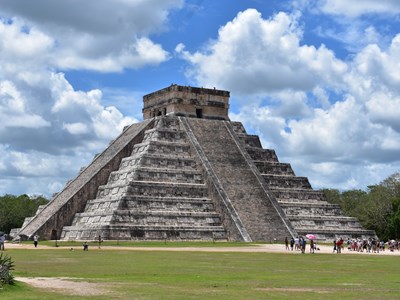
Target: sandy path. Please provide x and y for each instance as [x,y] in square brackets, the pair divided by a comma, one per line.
[268,248]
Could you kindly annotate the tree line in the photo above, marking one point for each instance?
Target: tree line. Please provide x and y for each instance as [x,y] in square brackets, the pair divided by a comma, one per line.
[377,208]
[14,209]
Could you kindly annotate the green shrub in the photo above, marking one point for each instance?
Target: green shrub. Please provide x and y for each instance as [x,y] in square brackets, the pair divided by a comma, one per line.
[6,265]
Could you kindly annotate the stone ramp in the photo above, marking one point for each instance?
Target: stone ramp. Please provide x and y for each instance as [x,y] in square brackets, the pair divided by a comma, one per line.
[256,211]
[60,211]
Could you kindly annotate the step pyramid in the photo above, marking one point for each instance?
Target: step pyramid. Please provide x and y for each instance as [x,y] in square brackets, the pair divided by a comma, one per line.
[157,193]
[188,173]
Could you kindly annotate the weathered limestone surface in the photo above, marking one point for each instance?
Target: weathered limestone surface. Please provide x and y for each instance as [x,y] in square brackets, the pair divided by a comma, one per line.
[61,210]
[249,199]
[307,210]
[177,100]
[157,193]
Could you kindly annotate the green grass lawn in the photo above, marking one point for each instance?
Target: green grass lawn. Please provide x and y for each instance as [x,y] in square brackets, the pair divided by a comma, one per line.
[209,275]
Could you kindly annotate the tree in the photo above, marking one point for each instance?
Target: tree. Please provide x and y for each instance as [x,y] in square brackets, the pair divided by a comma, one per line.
[377,209]
[14,210]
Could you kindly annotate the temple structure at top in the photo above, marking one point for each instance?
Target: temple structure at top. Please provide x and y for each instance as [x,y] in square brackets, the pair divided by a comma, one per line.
[186,172]
[187,101]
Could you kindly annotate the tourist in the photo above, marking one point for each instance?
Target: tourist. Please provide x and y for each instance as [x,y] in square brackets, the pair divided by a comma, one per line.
[100,241]
[85,246]
[312,246]
[291,243]
[286,243]
[297,243]
[2,240]
[36,240]
[303,243]
[334,246]
[339,245]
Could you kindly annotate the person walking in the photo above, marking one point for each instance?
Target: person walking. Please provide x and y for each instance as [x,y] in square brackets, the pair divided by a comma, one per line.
[291,243]
[36,240]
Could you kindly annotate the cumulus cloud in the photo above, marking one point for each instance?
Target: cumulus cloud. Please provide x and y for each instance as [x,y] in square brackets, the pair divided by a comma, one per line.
[263,55]
[48,128]
[356,8]
[103,36]
[330,118]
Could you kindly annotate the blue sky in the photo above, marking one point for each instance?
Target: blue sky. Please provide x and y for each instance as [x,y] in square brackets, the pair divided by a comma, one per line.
[318,81]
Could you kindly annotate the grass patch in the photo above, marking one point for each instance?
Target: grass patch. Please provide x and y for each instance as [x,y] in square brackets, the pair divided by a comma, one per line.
[129,274]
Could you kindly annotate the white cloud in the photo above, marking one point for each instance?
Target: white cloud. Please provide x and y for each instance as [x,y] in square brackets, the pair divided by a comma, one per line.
[13,111]
[336,122]
[355,8]
[112,37]
[254,55]
[76,128]
[48,129]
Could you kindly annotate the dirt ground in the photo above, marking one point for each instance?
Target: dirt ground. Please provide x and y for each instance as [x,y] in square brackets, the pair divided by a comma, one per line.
[271,248]
[74,286]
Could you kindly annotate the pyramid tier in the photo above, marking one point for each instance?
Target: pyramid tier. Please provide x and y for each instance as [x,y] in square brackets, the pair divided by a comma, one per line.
[286,181]
[146,232]
[273,168]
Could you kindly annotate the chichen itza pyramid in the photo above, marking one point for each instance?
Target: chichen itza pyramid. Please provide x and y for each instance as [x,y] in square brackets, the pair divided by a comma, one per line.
[188,173]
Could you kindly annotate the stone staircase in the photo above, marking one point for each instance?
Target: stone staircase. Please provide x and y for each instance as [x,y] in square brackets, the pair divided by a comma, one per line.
[307,209]
[157,193]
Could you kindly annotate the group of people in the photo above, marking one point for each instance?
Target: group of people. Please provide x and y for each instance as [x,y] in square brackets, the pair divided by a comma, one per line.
[299,244]
[3,240]
[372,245]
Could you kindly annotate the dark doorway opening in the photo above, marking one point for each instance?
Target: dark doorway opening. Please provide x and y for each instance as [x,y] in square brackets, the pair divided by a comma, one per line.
[53,234]
[199,113]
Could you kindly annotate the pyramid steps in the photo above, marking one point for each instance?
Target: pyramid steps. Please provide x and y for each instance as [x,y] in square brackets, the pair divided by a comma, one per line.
[250,140]
[310,209]
[157,190]
[165,135]
[149,217]
[142,203]
[307,210]
[162,148]
[335,233]
[156,174]
[298,195]
[274,168]
[147,232]
[286,181]
[161,161]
